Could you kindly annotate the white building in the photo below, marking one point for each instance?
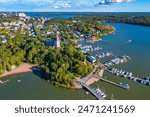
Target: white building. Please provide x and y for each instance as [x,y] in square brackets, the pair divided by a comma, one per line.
[21,14]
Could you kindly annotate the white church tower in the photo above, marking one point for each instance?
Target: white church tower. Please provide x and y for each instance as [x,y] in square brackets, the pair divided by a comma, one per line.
[57,40]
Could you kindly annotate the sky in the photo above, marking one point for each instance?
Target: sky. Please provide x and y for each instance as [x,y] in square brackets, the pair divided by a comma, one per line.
[76,5]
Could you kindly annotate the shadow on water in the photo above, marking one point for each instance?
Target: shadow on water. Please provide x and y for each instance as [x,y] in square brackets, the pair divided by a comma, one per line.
[37,70]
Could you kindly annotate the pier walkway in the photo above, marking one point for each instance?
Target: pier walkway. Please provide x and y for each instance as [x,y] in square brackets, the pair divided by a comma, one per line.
[113,83]
[83,84]
[128,75]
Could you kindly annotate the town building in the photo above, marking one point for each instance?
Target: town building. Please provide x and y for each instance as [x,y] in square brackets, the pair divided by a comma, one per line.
[21,14]
[91,59]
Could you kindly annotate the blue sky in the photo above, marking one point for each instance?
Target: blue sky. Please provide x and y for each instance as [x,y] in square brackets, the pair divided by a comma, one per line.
[74,5]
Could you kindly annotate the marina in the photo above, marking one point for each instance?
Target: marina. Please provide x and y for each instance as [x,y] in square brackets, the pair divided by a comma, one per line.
[129,75]
[104,54]
[88,48]
[99,94]
[116,61]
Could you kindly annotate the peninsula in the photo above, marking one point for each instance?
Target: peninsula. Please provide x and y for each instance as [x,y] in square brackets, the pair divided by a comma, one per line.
[51,44]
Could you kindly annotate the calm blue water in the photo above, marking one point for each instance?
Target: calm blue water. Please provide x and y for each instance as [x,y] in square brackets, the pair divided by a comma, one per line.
[138,49]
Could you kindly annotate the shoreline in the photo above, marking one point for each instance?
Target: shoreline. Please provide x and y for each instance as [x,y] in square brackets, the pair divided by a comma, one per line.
[94,78]
[100,39]
[23,68]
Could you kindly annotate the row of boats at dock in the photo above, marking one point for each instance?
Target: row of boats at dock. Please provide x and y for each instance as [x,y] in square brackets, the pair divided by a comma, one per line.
[100,93]
[88,48]
[120,72]
[129,75]
[146,78]
[97,92]
[104,54]
[116,61]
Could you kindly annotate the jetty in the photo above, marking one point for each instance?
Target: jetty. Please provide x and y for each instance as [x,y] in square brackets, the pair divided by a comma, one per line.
[121,85]
[129,75]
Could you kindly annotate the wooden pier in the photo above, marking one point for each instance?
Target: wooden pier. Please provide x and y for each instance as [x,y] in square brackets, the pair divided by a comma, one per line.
[113,83]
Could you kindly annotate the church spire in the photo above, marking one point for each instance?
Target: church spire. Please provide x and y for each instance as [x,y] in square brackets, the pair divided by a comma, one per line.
[57,40]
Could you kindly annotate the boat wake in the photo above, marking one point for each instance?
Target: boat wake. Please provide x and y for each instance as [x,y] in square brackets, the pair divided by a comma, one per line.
[129,41]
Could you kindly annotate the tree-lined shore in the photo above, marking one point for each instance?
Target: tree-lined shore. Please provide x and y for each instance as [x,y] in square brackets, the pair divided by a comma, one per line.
[129,18]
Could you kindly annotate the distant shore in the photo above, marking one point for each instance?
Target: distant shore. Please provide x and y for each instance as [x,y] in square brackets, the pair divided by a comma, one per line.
[23,68]
[100,39]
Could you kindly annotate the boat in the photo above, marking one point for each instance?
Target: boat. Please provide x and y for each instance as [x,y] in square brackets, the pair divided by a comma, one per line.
[125,85]
[18,81]
[129,41]
[6,81]
[100,92]
[1,82]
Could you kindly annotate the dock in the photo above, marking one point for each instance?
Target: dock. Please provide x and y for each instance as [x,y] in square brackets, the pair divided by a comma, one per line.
[129,75]
[116,61]
[104,54]
[113,83]
[91,90]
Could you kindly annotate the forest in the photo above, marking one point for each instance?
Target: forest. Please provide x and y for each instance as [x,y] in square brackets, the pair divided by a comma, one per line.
[132,18]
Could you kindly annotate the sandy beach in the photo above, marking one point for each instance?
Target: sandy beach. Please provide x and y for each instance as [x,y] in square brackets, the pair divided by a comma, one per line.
[28,68]
[21,69]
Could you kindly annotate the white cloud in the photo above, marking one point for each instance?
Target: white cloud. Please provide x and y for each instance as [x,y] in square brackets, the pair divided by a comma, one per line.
[64,3]
[84,3]
[113,1]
